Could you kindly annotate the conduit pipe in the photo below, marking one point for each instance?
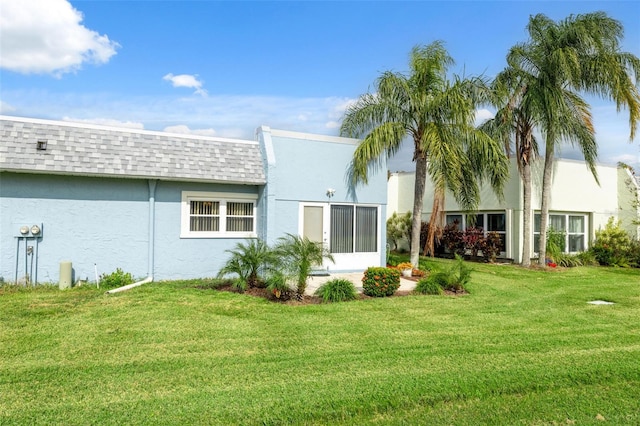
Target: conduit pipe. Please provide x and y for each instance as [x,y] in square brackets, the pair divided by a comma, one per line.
[152,238]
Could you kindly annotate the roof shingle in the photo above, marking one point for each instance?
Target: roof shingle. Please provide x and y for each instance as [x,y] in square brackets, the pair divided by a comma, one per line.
[92,150]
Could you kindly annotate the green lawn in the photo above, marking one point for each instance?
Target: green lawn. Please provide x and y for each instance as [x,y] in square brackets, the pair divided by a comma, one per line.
[523,348]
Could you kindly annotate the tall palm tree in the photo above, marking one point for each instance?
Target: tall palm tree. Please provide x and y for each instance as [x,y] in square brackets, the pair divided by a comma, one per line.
[514,126]
[438,115]
[580,54]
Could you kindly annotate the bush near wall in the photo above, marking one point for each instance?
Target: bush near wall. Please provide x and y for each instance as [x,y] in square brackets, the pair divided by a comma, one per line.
[380,282]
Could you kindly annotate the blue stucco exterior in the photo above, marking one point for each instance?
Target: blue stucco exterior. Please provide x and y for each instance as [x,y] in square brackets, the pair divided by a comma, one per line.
[300,168]
[105,222]
[133,218]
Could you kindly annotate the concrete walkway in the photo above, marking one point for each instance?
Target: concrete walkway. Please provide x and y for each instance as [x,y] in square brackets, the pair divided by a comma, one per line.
[355,277]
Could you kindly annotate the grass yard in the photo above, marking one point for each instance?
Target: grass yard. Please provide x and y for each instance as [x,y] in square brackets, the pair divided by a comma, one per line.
[523,348]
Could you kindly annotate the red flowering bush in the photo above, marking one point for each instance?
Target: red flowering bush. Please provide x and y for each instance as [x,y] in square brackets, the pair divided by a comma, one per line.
[380,282]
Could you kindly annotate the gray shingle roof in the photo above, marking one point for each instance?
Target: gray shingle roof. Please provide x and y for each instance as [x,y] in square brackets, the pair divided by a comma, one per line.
[92,150]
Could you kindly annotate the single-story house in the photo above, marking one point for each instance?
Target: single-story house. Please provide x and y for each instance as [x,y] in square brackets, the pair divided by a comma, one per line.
[168,206]
[579,206]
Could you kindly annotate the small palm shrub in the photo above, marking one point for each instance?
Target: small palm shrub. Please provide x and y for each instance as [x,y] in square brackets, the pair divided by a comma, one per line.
[454,278]
[337,290]
[116,279]
[429,285]
[248,261]
[299,255]
[279,288]
[380,282]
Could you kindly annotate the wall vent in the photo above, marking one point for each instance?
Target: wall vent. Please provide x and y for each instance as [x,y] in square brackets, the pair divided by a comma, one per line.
[41,145]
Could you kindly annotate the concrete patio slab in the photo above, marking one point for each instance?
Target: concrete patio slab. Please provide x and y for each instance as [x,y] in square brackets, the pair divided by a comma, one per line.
[355,277]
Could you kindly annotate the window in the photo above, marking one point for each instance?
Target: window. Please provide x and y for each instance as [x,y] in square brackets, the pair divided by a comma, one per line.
[571,225]
[218,215]
[354,229]
[487,222]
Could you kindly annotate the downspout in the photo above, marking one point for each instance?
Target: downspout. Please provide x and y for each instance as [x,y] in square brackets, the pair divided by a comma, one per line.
[152,237]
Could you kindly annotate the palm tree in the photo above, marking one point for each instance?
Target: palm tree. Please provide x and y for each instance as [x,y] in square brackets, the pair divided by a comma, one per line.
[561,59]
[248,260]
[438,115]
[299,255]
[513,125]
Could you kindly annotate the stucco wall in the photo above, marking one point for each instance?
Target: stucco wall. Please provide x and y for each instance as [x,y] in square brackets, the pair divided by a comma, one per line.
[301,168]
[574,189]
[629,211]
[104,221]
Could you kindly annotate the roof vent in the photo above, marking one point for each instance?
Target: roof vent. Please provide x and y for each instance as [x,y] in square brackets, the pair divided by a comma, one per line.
[41,145]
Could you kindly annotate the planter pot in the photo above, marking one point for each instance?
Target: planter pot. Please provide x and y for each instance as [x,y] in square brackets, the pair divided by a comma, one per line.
[406,273]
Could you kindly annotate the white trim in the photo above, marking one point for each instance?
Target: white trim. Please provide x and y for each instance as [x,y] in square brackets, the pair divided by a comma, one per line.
[223,198]
[585,232]
[314,137]
[345,261]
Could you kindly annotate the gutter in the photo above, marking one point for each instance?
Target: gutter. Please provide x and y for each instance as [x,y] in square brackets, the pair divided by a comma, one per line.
[152,239]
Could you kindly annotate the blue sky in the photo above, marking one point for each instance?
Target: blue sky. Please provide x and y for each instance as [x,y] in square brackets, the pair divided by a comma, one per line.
[225,68]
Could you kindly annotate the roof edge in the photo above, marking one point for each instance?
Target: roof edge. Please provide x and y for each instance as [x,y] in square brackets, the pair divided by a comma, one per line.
[132,177]
[123,129]
[313,137]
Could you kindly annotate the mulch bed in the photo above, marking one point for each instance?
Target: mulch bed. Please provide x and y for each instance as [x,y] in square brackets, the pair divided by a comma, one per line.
[307,300]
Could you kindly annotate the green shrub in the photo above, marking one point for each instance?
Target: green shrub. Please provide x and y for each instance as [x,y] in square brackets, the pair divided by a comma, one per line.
[394,259]
[116,279]
[555,244]
[429,285]
[568,260]
[587,258]
[380,282]
[454,278]
[613,246]
[337,290]
[634,254]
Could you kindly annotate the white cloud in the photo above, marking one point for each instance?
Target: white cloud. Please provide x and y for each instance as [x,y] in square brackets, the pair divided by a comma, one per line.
[332,125]
[182,129]
[186,80]
[106,122]
[626,158]
[47,36]
[483,115]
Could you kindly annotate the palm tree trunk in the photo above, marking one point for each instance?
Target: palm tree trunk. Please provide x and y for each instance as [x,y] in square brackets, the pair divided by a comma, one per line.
[526,212]
[418,197]
[546,198]
[435,222]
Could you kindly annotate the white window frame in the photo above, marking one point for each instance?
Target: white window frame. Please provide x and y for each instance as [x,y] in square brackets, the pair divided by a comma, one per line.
[354,233]
[485,231]
[585,233]
[223,198]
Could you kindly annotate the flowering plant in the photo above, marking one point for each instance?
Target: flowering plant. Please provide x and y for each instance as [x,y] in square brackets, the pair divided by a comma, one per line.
[380,282]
